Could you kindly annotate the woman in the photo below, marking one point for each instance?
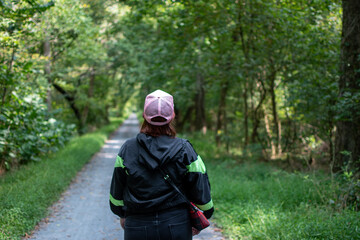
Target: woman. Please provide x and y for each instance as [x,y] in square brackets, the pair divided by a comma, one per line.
[148,206]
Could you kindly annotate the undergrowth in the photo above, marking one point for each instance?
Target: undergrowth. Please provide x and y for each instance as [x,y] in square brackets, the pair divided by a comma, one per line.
[26,194]
[259,201]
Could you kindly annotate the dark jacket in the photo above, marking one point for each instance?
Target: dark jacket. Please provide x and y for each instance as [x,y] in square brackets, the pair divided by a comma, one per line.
[138,187]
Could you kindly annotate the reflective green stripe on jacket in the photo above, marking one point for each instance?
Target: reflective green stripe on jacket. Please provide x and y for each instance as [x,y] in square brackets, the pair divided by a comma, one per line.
[197,166]
[116,202]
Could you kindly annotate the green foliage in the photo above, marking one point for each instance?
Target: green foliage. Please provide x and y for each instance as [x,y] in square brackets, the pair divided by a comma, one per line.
[17,27]
[61,49]
[263,59]
[348,106]
[26,194]
[28,131]
[260,75]
[258,201]
[79,63]
[55,73]
[349,193]
[348,188]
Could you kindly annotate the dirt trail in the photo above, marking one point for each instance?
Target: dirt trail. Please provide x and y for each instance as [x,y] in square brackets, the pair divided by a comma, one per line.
[83,210]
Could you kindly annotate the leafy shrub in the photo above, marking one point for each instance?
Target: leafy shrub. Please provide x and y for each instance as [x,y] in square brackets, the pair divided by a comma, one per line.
[348,191]
[28,131]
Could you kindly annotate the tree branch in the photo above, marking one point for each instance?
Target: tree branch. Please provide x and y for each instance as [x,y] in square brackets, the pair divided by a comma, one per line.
[70,99]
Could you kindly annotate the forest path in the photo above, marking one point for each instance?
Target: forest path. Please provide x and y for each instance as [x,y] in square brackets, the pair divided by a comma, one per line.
[83,211]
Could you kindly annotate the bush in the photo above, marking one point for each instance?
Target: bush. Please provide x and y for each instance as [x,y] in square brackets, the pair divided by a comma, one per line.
[348,191]
[27,131]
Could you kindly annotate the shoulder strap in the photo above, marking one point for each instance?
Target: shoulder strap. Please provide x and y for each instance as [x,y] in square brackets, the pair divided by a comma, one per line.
[170,181]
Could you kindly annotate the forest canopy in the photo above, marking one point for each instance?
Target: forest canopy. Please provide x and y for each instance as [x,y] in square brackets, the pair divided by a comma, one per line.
[260,77]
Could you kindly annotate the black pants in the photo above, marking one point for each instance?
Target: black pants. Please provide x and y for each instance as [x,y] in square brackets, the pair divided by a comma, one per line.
[172,224]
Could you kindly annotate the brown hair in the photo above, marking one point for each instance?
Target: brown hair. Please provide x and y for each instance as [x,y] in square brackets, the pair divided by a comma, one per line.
[156,131]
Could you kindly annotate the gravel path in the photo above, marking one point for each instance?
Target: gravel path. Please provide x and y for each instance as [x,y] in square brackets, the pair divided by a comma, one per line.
[83,211]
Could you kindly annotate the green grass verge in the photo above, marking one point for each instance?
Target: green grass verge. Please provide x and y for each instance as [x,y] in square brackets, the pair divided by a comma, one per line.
[26,194]
[259,201]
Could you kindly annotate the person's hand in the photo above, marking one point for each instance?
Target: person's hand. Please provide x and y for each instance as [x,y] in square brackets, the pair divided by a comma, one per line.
[122,222]
[195,231]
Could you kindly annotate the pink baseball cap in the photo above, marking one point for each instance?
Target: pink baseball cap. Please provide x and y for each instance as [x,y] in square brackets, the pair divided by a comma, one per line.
[159,104]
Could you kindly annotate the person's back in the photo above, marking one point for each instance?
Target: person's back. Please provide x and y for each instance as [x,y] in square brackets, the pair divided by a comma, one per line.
[139,193]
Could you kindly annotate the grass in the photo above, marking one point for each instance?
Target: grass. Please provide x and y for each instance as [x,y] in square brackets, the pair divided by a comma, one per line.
[26,194]
[252,200]
[258,201]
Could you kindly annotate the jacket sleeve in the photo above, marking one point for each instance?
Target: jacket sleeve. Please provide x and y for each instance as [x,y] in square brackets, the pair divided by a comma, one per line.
[196,181]
[118,184]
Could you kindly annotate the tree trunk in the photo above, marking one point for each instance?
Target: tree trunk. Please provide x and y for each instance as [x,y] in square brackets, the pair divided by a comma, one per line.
[246,118]
[256,117]
[331,147]
[268,131]
[180,123]
[10,68]
[246,46]
[276,121]
[348,129]
[221,111]
[71,102]
[47,69]
[279,147]
[89,95]
[200,120]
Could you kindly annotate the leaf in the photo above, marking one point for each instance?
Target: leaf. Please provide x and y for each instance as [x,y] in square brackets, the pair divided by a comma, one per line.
[28,66]
[3,118]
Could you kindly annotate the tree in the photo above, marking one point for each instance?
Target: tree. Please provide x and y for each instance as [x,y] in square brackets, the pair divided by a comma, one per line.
[348,126]
[56,53]
[27,129]
[259,74]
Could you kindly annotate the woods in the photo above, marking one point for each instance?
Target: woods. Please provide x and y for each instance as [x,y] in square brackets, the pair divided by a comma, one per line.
[263,76]
[272,82]
[58,77]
